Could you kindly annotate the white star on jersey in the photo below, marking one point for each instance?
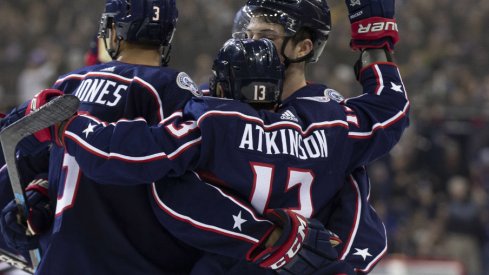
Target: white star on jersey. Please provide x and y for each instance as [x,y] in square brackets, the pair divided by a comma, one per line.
[397,88]
[89,129]
[238,221]
[362,252]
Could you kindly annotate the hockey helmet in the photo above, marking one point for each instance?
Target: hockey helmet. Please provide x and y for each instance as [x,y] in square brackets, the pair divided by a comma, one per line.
[143,21]
[296,14]
[241,20]
[249,70]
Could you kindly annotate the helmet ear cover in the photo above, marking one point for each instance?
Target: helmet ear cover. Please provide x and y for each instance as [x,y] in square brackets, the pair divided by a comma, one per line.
[105,25]
[220,76]
[105,28]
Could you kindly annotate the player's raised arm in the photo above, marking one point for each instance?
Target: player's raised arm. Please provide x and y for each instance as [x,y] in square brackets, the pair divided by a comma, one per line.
[378,117]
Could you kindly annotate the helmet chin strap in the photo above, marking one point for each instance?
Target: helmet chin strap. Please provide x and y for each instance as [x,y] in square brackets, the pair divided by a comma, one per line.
[165,55]
[113,53]
[287,60]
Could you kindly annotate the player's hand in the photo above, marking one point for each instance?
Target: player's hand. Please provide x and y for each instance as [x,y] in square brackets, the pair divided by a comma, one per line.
[303,247]
[19,235]
[372,24]
[39,100]
[29,145]
[40,216]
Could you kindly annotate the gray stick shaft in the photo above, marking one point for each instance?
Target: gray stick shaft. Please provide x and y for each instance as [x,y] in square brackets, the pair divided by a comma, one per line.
[55,111]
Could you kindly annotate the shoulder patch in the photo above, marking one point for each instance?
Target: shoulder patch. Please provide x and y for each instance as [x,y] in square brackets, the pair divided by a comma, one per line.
[334,95]
[185,82]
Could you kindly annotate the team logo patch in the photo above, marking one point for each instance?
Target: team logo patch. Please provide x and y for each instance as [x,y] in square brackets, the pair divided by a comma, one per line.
[334,95]
[185,82]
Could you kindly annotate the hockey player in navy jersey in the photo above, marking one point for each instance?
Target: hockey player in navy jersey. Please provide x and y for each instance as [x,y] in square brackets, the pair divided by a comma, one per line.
[93,232]
[351,216]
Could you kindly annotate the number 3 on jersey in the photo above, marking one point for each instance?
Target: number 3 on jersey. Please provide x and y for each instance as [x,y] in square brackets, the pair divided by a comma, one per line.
[71,181]
[263,184]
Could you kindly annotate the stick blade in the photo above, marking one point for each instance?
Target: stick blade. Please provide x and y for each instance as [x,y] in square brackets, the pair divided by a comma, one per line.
[55,111]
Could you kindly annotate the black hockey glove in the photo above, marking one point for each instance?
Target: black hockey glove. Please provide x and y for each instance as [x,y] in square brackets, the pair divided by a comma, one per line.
[40,218]
[372,24]
[304,247]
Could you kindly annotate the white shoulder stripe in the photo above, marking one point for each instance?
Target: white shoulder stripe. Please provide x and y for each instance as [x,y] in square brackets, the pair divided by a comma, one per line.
[209,227]
[380,79]
[101,153]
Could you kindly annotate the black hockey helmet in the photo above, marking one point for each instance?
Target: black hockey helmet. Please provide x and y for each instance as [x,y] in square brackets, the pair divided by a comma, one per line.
[248,70]
[150,22]
[296,14]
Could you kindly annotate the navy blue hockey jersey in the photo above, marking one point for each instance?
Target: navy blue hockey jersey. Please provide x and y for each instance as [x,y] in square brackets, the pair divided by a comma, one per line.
[111,229]
[297,157]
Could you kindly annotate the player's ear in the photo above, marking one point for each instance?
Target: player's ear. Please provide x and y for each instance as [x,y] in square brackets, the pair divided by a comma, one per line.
[219,90]
[303,48]
[113,34]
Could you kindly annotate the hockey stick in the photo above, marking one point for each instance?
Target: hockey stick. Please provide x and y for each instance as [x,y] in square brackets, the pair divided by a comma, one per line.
[57,110]
[15,261]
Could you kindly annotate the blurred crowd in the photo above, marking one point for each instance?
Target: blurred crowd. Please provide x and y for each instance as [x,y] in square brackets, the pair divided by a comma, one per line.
[432,190]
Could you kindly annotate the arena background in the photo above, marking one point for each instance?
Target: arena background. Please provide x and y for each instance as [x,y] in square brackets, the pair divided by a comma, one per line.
[431,191]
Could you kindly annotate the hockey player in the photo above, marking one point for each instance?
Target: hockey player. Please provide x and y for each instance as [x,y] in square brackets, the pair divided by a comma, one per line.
[93,232]
[350,216]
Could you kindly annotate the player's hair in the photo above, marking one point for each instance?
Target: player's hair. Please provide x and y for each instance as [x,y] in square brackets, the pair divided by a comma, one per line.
[250,71]
[150,23]
[310,16]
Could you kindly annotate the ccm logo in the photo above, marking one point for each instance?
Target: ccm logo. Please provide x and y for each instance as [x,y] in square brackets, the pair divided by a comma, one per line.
[295,247]
[377,27]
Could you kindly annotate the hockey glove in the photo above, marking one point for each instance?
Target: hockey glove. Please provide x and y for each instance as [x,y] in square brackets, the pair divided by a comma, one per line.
[29,145]
[35,104]
[372,24]
[303,247]
[24,237]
